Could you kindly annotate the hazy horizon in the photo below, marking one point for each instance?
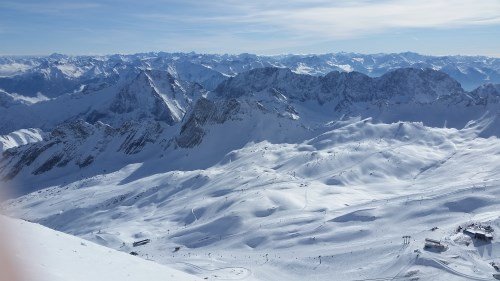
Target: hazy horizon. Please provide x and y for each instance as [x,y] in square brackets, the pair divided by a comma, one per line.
[242,53]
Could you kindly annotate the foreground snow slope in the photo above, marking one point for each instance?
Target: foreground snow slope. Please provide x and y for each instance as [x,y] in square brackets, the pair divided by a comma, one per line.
[43,254]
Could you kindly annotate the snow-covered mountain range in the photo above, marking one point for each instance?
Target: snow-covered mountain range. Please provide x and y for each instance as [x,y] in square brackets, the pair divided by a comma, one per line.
[156,110]
[260,168]
[57,74]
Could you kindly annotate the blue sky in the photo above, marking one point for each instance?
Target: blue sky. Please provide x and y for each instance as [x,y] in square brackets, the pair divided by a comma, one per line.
[439,27]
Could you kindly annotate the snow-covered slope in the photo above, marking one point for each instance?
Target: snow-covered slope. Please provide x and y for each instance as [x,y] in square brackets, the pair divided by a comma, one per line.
[338,203]
[150,94]
[20,137]
[155,93]
[267,104]
[79,147]
[158,95]
[406,94]
[42,254]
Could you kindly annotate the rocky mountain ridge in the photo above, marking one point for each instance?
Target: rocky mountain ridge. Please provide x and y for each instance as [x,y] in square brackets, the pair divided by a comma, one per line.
[156,114]
[56,75]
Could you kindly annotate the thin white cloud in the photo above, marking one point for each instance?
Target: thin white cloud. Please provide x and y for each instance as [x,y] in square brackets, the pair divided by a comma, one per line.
[362,18]
[345,19]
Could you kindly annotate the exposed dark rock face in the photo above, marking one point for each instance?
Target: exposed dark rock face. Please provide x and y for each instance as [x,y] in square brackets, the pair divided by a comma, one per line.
[22,157]
[49,164]
[487,94]
[142,96]
[416,85]
[78,143]
[205,112]
[402,85]
[77,130]
[138,137]
[87,161]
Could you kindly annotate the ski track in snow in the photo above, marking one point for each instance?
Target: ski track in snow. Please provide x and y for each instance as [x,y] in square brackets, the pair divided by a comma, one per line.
[276,216]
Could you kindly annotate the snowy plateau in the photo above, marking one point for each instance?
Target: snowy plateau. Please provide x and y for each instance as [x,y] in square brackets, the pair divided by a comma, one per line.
[185,166]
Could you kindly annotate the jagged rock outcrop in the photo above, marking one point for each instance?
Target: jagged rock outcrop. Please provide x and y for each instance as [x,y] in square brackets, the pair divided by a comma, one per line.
[487,94]
[137,136]
[151,94]
[399,86]
[157,94]
[416,85]
[168,111]
[205,112]
[78,144]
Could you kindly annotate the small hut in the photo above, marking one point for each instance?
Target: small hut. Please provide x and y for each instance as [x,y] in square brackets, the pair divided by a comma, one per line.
[140,243]
[434,244]
[479,234]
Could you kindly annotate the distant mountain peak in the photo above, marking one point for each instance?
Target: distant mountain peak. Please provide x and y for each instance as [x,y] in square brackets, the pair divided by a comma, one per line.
[156,93]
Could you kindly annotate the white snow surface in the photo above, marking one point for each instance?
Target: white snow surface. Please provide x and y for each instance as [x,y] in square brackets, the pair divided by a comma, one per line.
[13,68]
[20,137]
[11,99]
[333,206]
[42,254]
[29,100]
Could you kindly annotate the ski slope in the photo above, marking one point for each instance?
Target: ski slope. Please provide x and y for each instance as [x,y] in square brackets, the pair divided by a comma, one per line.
[330,207]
